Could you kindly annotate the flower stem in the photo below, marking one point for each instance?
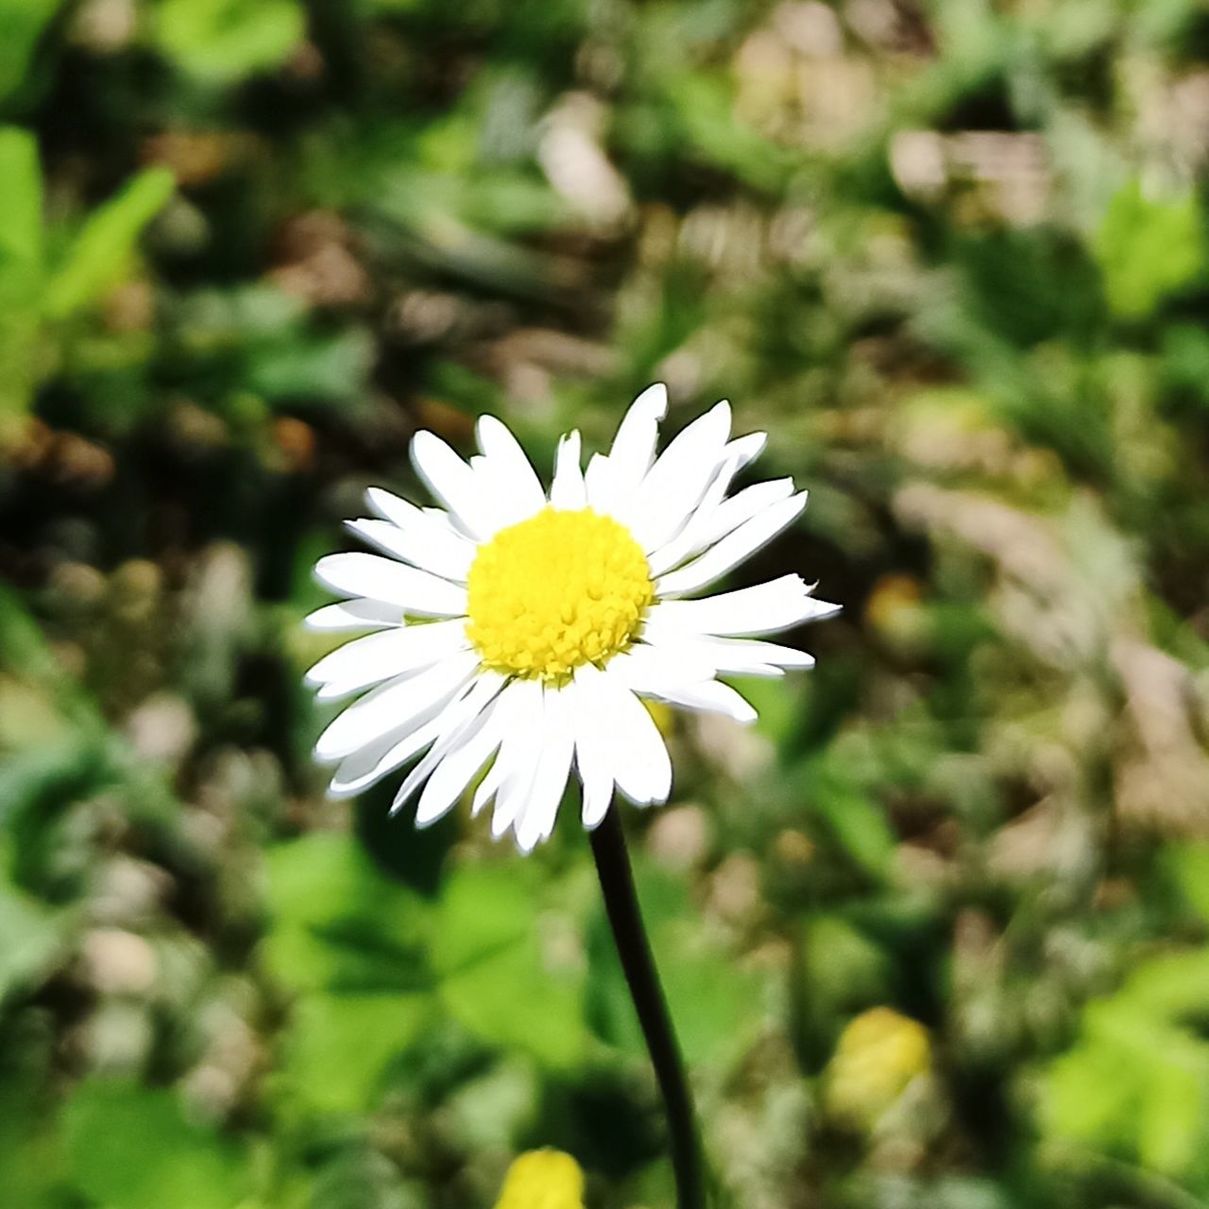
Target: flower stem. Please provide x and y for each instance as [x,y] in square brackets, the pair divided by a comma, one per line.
[625,918]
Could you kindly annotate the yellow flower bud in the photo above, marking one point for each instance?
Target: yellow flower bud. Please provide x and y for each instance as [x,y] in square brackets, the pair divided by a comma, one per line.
[879,1053]
[543,1179]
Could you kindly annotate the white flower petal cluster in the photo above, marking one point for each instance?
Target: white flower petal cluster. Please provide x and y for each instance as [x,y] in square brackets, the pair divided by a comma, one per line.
[517,631]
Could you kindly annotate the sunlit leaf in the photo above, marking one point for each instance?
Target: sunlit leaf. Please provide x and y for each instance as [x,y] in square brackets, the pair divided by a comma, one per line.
[131,1147]
[20,259]
[1149,248]
[224,40]
[338,923]
[101,253]
[503,976]
[337,1046]
[21,25]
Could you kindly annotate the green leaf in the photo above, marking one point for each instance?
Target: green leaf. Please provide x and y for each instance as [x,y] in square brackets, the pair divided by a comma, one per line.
[484,910]
[312,367]
[1136,1084]
[705,108]
[130,1147]
[20,200]
[1188,867]
[502,975]
[716,1007]
[20,261]
[843,969]
[859,826]
[31,936]
[101,252]
[221,41]
[1148,249]
[21,25]
[338,923]
[337,1046]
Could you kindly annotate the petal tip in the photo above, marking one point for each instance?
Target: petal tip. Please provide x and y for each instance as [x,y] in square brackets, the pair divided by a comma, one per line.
[654,398]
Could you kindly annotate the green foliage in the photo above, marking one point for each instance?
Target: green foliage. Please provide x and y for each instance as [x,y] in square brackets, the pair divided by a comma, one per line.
[376,963]
[717,1006]
[22,23]
[260,340]
[339,1043]
[950,256]
[338,923]
[220,41]
[20,261]
[494,963]
[31,938]
[100,254]
[131,1147]
[1149,249]
[1137,1082]
[34,287]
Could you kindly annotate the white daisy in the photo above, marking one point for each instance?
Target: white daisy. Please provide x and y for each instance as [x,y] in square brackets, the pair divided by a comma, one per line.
[521,630]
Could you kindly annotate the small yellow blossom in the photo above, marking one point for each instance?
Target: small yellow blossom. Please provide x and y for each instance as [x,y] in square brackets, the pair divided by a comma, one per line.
[543,1179]
[879,1053]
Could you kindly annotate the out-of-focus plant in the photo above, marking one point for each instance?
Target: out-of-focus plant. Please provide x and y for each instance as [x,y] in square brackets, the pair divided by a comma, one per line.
[47,276]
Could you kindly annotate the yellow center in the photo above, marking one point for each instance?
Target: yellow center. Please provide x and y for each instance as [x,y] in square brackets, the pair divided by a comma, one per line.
[555,591]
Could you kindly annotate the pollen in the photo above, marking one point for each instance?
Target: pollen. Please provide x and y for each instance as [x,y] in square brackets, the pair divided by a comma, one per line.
[556,591]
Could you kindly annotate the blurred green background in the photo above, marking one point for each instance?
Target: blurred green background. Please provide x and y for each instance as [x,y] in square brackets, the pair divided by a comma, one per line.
[936,931]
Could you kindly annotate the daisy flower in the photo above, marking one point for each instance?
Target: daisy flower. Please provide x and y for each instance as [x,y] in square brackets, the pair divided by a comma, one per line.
[519,630]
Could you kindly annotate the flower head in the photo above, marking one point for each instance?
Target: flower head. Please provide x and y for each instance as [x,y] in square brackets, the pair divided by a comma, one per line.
[520,631]
[542,1179]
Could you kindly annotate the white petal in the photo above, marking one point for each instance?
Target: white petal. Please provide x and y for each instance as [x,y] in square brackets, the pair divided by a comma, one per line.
[732,549]
[710,696]
[747,448]
[598,482]
[453,482]
[423,543]
[460,720]
[377,657]
[678,480]
[369,764]
[591,754]
[512,774]
[640,763]
[518,704]
[693,537]
[536,821]
[645,666]
[739,656]
[612,480]
[633,448]
[404,513]
[393,704]
[516,491]
[354,615]
[391,507]
[513,793]
[778,604]
[741,507]
[459,765]
[410,589]
[568,491]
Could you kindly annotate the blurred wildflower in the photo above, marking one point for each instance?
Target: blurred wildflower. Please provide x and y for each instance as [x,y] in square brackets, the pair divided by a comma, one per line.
[879,1054]
[533,624]
[543,1179]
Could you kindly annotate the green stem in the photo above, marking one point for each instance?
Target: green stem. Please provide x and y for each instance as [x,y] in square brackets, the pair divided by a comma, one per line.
[625,918]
